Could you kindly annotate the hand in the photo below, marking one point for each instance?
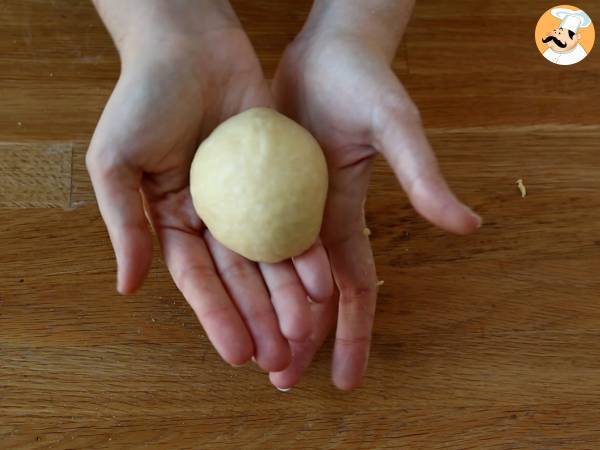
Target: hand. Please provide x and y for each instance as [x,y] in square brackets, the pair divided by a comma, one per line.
[175,87]
[339,85]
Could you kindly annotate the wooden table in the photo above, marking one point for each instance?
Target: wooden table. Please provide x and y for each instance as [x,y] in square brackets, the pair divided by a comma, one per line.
[488,342]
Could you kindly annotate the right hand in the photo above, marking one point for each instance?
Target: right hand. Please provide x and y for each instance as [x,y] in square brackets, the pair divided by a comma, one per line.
[172,92]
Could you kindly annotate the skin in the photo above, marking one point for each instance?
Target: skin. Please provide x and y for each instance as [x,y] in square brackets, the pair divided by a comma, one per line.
[187,66]
[563,36]
[192,71]
[335,79]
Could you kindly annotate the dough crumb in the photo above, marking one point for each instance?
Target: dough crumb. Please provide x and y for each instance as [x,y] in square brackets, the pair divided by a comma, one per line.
[19,123]
[380,283]
[366,232]
[521,187]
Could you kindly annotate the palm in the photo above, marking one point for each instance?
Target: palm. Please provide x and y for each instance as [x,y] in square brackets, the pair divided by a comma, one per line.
[347,96]
[146,140]
[160,112]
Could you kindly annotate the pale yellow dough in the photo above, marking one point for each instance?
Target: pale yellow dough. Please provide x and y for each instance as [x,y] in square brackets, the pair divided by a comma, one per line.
[259,183]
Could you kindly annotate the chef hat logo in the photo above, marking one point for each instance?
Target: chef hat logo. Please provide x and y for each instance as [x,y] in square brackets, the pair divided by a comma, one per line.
[571,19]
[565,35]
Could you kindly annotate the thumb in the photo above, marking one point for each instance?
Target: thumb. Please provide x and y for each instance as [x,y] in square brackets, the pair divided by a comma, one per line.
[117,188]
[399,136]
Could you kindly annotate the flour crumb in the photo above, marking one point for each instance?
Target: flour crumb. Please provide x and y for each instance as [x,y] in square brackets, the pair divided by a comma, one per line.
[380,283]
[366,232]
[19,123]
[521,187]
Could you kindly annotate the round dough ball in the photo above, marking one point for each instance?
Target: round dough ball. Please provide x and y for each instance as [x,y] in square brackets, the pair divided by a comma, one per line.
[259,183]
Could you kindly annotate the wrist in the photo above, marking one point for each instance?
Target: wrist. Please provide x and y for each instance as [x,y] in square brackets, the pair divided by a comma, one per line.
[380,24]
[157,28]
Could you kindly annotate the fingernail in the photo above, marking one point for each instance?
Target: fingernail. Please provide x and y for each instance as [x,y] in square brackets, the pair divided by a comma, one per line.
[283,389]
[253,360]
[476,216]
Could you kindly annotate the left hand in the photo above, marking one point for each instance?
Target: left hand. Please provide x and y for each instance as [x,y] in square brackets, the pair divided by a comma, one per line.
[344,92]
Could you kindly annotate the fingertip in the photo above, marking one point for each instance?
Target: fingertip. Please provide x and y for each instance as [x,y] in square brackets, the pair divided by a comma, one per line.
[346,380]
[231,340]
[346,384]
[350,359]
[129,279]
[134,258]
[273,357]
[284,380]
[434,200]
[459,219]
[236,354]
[472,222]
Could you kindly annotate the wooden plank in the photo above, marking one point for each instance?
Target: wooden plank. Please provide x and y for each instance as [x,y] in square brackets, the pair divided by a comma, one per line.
[486,342]
[476,63]
[35,175]
[486,100]
[44,174]
[59,66]
[464,151]
[472,44]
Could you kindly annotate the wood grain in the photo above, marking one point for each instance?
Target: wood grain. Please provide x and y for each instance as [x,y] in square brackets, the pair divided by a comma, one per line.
[35,175]
[489,341]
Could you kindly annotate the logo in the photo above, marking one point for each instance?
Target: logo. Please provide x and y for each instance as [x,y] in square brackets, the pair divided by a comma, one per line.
[565,35]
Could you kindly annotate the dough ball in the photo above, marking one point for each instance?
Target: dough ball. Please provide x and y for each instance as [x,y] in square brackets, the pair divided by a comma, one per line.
[259,183]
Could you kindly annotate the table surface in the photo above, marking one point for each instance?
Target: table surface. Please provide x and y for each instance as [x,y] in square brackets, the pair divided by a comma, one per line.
[490,341]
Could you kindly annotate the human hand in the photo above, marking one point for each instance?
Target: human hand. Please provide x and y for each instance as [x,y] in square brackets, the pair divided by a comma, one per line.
[335,79]
[186,67]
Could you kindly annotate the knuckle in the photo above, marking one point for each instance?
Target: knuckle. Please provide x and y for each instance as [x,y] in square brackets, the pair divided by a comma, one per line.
[90,160]
[295,330]
[354,340]
[395,107]
[102,164]
[357,294]
[359,299]
[404,109]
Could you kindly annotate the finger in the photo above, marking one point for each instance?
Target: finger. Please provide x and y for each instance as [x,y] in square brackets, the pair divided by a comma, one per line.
[354,273]
[245,285]
[399,136]
[117,192]
[192,270]
[288,298]
[312,267]
[303,352]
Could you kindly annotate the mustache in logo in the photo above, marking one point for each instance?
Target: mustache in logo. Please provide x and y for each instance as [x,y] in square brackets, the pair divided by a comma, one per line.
[556,41]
